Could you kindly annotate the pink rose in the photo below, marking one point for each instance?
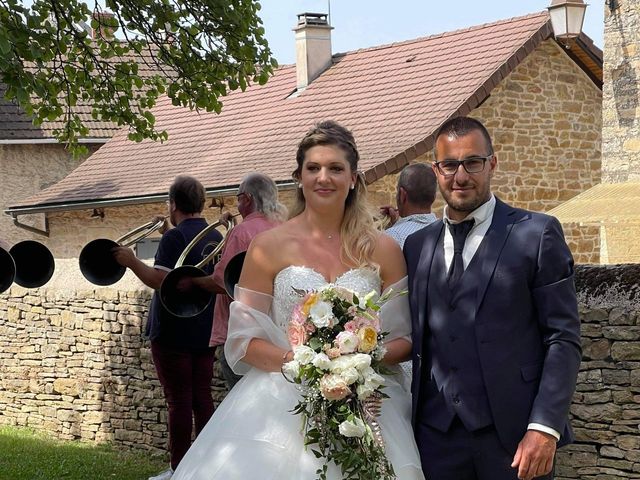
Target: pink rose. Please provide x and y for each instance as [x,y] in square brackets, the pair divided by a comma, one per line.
[310,327]
[297,316]
[297,334]
[333,387]
[351,326]
[333,352]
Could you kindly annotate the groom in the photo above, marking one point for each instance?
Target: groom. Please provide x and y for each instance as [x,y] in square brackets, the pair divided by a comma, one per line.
[496,333]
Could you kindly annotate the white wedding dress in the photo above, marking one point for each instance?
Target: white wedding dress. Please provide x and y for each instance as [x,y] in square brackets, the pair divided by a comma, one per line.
[253,434]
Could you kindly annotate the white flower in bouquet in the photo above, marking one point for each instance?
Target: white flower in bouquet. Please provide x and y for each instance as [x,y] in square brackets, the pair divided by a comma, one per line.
[322,361]
[363,301]
[365,390]
[303,354]
[321,314]
[291,369]
[370,376]
[354,427]
[350,375]
[347,342]
[361,361]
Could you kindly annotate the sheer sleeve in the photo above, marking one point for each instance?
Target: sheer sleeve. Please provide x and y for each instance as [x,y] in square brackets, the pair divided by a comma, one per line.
[395,315]
[249,318]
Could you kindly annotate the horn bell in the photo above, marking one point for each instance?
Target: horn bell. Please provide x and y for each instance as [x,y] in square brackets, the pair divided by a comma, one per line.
[98,264]
[7,270]
[34,263]
[232,272]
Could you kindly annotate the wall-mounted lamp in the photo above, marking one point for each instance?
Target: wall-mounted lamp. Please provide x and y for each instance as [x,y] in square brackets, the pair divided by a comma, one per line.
[567,17]
[217,203]
[98,213]
[612,4]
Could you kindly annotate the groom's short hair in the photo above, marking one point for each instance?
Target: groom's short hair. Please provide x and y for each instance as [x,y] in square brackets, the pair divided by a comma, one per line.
[461,126]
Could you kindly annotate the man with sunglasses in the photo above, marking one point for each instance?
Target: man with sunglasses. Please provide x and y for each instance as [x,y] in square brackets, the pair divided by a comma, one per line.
[496,333]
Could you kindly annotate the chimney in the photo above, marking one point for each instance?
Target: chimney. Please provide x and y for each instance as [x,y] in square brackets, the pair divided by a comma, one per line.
[107,25]
[313,47]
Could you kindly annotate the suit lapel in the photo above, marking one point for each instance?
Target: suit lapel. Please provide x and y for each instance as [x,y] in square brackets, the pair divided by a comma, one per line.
[495,239]
[422,275]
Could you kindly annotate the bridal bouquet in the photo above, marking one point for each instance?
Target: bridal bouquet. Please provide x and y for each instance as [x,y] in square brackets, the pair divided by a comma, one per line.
[337,344]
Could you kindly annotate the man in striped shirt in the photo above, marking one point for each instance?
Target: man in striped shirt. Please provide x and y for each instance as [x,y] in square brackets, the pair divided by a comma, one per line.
[415,193]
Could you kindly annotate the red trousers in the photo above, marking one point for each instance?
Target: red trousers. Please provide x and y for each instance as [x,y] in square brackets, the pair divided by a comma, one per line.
[185,376]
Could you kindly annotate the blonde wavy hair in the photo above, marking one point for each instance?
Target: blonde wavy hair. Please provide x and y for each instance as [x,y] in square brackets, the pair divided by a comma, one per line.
[358,231]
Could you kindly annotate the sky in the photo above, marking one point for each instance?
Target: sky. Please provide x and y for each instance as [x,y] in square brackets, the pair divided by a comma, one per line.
[367,23]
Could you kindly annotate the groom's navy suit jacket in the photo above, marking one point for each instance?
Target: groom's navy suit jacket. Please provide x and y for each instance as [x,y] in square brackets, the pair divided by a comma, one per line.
[526,325]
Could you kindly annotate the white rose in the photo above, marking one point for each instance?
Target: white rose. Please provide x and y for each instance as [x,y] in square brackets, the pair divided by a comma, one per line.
[291,369]
[352,428]
[341,363]
[303,354]
[350,375]
[347,342]
[322,361]
[365,390]
[370,376]
[361,361]
[321,314]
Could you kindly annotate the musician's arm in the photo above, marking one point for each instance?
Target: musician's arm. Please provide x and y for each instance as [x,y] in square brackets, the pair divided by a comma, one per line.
[150,276]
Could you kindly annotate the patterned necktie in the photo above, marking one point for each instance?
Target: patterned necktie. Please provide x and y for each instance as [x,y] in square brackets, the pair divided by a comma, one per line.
[459,232]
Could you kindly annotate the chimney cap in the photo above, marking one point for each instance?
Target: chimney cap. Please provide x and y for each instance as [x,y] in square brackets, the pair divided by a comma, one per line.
[315,19]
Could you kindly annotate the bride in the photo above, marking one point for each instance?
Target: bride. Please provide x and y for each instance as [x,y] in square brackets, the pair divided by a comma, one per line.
[330,239]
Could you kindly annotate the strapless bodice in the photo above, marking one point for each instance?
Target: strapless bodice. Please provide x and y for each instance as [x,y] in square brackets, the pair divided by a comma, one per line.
[360,280]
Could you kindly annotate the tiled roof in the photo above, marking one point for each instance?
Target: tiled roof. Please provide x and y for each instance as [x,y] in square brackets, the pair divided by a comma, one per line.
[15,125]
[393,97]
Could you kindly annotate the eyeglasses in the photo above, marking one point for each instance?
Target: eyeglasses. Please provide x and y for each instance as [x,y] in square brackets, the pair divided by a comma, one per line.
[470,165]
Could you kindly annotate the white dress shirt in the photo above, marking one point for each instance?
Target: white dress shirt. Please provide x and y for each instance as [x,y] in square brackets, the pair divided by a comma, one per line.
[483,215]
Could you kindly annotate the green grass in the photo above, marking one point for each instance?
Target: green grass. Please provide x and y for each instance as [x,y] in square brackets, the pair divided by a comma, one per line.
[29,455]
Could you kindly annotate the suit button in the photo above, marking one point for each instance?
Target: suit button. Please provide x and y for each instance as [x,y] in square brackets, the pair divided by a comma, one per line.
[456,400]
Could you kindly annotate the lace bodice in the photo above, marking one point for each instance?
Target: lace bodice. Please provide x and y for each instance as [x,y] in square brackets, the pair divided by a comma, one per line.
[360,280]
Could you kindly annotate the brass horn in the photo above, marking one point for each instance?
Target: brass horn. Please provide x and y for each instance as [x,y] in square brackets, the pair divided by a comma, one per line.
[8,269]
[193,301]
[28,263]
[232,272]
[97,262]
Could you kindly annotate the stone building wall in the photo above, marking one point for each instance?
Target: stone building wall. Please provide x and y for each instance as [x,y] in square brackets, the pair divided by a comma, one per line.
[73,364]
[620,243]
[621,95]
[24,171]
[545,121]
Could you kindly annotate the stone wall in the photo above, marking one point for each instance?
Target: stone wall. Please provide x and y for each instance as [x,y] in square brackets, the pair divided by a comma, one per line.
[606,405]
[25,170]
[74,365]
[621,95]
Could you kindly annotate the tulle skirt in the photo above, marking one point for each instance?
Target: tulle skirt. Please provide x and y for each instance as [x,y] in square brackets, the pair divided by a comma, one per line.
[254,435]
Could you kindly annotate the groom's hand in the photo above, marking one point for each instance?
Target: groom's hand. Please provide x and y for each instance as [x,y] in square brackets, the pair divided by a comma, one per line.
[534,457]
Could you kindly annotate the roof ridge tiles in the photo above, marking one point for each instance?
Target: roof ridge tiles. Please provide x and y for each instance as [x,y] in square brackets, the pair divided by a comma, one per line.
[540,14]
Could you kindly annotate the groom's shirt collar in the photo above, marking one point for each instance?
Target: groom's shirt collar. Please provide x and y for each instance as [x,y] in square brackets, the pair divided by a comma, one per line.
[482,216]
